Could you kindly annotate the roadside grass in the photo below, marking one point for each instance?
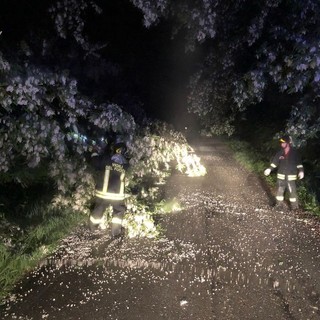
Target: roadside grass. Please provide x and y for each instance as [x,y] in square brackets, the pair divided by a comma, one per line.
[254,161]
[35,235]
[248,156]
[22,249]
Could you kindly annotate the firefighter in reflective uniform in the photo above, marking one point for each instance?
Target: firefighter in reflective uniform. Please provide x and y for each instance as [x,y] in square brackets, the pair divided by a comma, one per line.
[110,189]
[289,169]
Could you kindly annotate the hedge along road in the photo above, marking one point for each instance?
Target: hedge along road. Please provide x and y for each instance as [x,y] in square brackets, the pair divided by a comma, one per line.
[225,255]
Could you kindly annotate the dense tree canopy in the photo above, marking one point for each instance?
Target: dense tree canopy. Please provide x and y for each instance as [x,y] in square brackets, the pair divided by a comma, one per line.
[250,50]
[254,49]
[86,66]
[62,89]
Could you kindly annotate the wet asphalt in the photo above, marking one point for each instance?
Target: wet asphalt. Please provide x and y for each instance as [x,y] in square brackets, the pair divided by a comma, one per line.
[226,255]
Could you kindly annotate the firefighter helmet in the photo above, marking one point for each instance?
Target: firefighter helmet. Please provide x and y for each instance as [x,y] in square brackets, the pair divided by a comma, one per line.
[285,139]
[120,147]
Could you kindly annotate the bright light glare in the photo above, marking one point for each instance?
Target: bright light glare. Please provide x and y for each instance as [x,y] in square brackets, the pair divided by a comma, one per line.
[171,206]
[176,207]
[190,164]
[194,167]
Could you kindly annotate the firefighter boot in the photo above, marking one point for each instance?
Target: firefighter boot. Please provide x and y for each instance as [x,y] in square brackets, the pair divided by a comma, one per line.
[93,226]
[116,227]
[280,206]
[294,206]
[94,223]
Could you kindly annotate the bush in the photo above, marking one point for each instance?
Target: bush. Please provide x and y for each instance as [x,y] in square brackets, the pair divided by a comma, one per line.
[21,249]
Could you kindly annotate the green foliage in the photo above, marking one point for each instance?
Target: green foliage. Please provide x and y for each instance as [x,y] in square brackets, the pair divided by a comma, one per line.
[249,52]
[308,199]
[169,205]
[21,251]
[11,269]
[48,232]
[155,151]
[247,156]
[41,106]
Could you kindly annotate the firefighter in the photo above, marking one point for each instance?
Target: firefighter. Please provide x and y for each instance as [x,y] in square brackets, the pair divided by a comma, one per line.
[110,184]
[289,169]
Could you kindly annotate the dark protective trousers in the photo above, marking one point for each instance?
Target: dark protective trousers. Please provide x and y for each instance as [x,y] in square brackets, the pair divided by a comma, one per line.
[291,188]
[118,211]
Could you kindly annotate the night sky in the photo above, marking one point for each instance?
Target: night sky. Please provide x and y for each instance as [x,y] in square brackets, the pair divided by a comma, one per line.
[158,64]
[155,67]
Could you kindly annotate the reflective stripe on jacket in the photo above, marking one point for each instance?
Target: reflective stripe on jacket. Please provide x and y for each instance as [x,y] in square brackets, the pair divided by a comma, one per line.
[288,164]
[113,184]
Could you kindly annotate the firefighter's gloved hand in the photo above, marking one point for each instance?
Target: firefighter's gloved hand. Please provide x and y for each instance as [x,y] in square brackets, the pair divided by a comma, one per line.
[301,175]
[267,171]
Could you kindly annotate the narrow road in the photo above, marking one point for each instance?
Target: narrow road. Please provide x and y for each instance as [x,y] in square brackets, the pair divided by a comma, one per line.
[226,255]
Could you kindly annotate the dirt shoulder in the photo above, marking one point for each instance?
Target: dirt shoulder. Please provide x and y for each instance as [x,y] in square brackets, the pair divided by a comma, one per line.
[265,262]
